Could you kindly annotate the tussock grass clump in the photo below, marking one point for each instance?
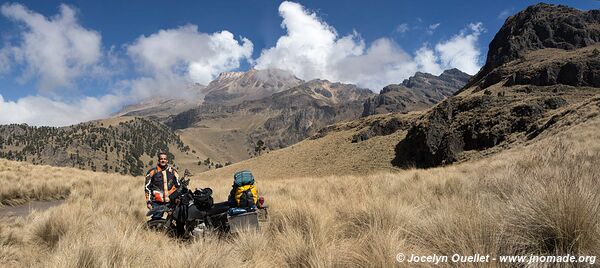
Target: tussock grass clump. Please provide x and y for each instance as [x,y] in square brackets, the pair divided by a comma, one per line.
[49,230]
[375,248]
[464,228]
[86,258]
[557,210]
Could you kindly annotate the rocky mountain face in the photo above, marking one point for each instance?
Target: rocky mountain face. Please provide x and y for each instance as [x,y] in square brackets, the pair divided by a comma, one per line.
[419,92]
[539,27]
[542,73]
[232,88]
[303,110]
[229,88]
[288,116]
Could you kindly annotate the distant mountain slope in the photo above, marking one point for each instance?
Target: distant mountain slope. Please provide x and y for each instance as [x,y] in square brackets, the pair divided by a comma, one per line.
[282,118]
[301,111]
[419,92]
[330,152]
[123,145]
[161,107]
[229,88]
[232,88]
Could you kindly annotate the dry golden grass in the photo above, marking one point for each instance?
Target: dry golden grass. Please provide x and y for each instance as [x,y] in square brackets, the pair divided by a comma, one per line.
[22,182]
[542,199]
[332,155]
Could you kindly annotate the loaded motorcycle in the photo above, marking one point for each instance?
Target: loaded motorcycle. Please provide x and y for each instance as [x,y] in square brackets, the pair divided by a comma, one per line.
[193,214]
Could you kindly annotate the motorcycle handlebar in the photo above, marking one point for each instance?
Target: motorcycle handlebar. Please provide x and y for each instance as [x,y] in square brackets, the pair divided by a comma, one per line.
[184,182]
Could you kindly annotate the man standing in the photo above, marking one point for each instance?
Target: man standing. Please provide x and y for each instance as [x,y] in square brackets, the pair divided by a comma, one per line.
[161,181]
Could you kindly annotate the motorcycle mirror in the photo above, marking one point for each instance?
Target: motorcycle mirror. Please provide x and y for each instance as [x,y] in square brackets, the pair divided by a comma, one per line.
[261,200]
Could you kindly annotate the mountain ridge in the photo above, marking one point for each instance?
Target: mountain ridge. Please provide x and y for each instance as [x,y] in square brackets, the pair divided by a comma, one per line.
[537,27]
[418,92]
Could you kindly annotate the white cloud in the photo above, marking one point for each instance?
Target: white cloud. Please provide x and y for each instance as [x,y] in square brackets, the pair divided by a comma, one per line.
[56,52]
[37,110]
[426,61]
[168,61]
[461,50]
[4,61]
[403,28]
[173,57]
[431,28]
[167,86]
[309,46]
[312,49]
[56,49]
[383,63]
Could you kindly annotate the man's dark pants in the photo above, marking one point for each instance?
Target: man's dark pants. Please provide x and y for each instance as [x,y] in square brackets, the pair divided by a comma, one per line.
[157,214]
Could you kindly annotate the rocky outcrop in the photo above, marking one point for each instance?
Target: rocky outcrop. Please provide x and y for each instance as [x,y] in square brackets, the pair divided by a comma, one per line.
[472,123]
[419,92]
[539,27]
[548,67]
[380,128]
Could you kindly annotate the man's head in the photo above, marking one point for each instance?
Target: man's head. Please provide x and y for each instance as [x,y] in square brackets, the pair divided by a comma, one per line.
[163,160]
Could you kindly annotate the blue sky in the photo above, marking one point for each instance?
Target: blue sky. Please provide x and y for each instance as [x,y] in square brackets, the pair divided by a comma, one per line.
[63,62]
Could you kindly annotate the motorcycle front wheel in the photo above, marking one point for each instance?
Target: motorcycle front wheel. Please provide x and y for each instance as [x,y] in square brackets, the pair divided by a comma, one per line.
[161,226]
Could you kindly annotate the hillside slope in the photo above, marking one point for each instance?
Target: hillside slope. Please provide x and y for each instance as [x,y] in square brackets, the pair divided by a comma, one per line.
[335,150]
[123,145]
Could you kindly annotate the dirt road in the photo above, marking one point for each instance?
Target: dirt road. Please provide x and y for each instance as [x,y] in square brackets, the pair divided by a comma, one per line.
[25,209]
